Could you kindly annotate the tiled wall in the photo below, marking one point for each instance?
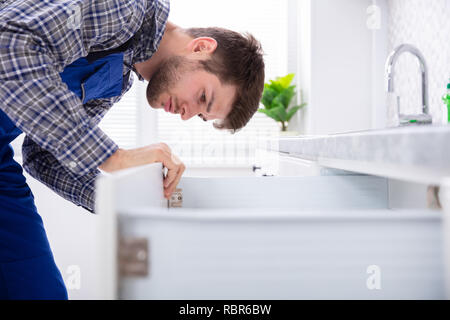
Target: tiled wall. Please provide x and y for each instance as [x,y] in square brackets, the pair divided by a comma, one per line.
[425,24]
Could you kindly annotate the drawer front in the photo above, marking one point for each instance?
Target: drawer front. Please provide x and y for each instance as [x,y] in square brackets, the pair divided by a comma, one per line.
[370,254]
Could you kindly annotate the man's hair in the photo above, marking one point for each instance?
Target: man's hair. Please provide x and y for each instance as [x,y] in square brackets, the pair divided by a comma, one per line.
[237,60]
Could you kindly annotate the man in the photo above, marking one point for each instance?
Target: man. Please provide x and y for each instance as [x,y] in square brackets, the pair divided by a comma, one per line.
[63,63]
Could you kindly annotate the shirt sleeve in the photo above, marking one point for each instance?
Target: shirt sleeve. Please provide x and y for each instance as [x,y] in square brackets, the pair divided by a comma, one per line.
[44,167]
[39,38]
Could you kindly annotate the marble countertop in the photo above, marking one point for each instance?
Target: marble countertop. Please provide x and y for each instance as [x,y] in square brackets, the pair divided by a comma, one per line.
[416,153]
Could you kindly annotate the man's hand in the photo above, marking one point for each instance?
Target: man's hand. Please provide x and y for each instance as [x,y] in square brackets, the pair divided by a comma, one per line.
[160,152]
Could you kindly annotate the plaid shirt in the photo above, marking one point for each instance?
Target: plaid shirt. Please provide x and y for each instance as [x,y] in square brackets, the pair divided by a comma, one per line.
[63,145]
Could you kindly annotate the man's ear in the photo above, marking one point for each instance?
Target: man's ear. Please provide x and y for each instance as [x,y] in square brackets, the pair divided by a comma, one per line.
[203,44]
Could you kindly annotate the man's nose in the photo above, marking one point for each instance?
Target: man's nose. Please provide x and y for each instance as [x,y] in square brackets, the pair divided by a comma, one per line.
[189,110]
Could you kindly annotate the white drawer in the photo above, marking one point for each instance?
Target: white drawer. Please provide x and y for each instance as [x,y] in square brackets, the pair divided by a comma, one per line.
[269,238]
[268,254]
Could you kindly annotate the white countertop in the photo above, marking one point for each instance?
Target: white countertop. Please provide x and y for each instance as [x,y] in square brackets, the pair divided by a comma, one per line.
[414,153]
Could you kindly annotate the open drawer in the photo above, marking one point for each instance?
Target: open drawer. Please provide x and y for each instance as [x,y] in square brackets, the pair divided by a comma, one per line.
[322,237]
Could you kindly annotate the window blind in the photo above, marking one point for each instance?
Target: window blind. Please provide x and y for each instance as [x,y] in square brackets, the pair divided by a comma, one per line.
[120,123]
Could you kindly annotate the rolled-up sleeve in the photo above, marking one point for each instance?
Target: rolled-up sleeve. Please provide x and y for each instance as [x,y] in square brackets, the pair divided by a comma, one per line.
[43,166]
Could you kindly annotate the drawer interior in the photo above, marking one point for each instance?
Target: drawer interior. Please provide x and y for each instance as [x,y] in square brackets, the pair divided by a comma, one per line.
[318,192]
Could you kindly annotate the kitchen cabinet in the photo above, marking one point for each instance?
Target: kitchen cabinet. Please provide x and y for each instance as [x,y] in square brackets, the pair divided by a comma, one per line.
[324,236]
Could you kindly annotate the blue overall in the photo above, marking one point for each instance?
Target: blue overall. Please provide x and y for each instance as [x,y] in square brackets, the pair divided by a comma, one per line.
[27,267]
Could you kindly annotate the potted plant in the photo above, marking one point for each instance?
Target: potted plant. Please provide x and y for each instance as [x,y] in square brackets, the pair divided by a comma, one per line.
[276,98]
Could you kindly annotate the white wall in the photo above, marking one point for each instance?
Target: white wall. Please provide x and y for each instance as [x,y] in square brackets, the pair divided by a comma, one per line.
[336,65]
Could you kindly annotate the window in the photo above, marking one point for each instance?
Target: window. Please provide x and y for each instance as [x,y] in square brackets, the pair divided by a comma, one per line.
[121,122]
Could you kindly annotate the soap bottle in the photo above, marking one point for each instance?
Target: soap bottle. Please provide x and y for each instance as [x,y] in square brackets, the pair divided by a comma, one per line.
[446,99]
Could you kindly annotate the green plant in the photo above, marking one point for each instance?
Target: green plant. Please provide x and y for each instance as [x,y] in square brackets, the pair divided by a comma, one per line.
[276,98]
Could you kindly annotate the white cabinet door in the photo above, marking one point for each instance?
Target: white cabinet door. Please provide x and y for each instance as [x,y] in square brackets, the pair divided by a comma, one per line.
[330,237]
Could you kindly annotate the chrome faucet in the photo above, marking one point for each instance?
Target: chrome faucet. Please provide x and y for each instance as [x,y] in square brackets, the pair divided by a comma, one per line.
[424,117]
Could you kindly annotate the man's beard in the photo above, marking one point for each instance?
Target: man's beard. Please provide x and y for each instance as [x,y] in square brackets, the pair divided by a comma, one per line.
[167,75]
